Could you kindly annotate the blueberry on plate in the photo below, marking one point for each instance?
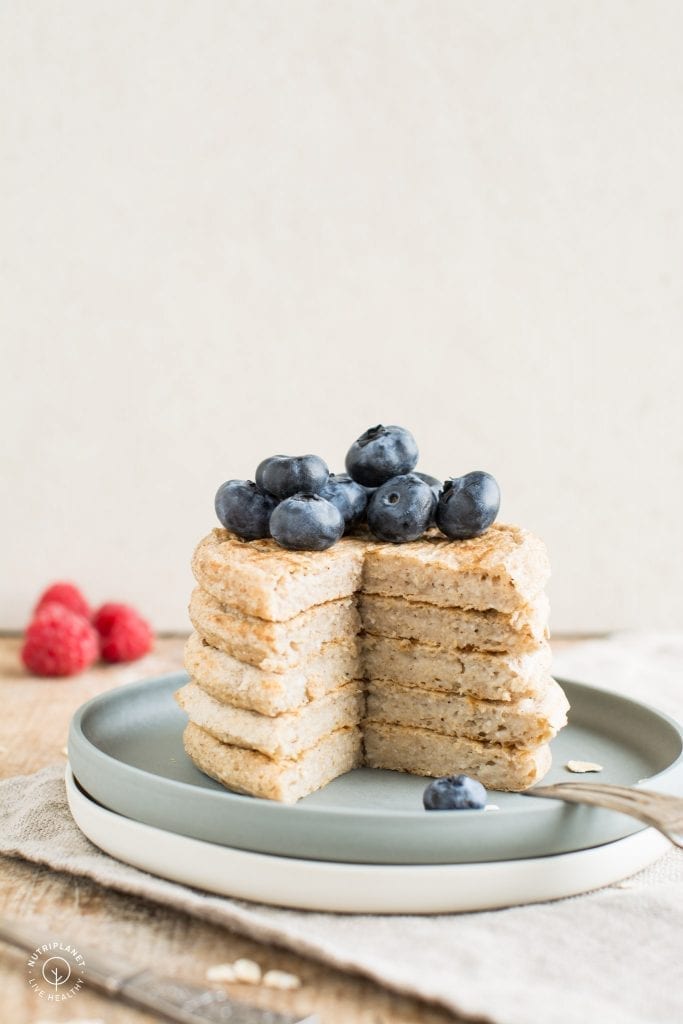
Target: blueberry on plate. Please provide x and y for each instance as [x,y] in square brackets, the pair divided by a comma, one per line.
[349,497]
[454,793]
[380,454]
[285,475]
[245,509]
[468,505]
[306,522]
[401,509]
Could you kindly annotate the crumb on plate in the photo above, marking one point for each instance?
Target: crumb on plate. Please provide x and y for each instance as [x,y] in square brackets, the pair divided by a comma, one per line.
[583,766]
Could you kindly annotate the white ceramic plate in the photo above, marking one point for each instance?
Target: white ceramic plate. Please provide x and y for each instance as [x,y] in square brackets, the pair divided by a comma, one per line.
[358,888]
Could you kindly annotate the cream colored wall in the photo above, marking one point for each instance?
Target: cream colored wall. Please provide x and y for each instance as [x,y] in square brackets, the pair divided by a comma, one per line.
[237,228]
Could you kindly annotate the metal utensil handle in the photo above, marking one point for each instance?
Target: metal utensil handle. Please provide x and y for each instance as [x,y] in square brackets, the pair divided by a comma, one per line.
[176,1001]
[659,810]
[192,1004]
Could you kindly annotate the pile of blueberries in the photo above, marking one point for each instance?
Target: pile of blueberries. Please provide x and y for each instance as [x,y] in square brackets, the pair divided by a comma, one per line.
[301,505]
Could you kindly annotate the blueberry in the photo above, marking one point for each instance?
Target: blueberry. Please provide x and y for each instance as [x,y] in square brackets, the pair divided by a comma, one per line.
[306,522]
[401,509]
[380,454]
[454,793]
[349,497]
[436,486]
[468,505]
[285,475]
[245,509]
[260,469]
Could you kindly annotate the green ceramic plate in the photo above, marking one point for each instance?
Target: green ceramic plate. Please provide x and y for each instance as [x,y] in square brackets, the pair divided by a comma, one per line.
[125,750]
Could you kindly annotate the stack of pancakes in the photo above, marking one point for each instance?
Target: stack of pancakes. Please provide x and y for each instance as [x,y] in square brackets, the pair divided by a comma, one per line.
[429,657]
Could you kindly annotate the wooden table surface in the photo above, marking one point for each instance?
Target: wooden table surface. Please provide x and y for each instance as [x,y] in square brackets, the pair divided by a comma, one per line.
[33,733]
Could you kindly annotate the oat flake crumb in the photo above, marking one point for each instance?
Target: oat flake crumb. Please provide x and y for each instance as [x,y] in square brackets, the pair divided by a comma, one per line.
[583,766]
[220,972]
[247,971]
[281,979]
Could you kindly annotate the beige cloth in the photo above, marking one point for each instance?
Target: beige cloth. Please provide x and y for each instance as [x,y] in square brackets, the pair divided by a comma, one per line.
[612,956]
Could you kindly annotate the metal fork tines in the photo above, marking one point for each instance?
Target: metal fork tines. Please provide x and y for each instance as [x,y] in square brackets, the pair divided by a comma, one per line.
[659,810]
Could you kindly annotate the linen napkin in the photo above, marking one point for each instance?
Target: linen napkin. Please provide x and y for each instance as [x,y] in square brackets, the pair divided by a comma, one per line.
[613,955]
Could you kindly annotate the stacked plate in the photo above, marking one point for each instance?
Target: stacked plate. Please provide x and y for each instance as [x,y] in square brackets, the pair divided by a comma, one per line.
[363,844]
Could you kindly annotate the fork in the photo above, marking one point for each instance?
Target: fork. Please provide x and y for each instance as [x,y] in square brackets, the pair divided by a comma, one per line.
[660,810]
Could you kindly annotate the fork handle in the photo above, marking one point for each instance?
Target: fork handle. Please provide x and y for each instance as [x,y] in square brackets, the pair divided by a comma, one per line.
[658,810]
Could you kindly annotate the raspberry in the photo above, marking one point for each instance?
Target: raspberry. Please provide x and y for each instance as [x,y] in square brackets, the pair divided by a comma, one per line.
[124,634]
[66,594]
[58,642]
[105,616]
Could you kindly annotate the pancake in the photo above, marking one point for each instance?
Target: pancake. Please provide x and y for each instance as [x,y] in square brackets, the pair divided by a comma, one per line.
[260,578]
[286,736]
[423,752]
[504,568]
[498,676]
[273,646]
[526,723]
[457,628]
[270,693]
[285,780]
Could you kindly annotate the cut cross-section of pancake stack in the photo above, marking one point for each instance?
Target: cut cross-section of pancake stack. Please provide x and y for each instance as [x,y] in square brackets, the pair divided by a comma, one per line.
[429,657]
[276,696]
[457,660]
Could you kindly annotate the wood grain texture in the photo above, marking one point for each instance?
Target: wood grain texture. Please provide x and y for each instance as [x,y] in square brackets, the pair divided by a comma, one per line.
[33,733]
